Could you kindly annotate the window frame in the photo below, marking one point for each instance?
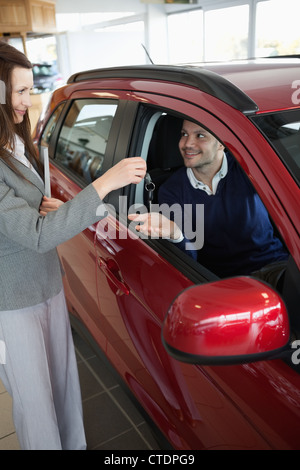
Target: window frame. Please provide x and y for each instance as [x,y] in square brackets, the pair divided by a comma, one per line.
[93,101]
[111,143]
[261,120]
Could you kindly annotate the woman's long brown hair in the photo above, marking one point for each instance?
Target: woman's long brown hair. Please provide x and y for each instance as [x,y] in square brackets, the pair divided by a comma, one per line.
[10,58]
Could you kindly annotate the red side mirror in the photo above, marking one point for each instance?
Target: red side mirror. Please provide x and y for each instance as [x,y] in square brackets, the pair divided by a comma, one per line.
[229,321]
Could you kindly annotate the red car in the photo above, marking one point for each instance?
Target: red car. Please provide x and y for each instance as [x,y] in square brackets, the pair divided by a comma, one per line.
[225,377]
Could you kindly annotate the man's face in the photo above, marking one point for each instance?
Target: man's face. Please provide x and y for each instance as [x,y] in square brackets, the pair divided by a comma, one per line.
[198,147]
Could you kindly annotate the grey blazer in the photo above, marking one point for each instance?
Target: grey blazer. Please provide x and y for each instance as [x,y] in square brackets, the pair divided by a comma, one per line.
[30,269]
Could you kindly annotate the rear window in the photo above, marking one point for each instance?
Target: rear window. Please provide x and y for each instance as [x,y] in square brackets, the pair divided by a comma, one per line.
[282,129]
[84,135]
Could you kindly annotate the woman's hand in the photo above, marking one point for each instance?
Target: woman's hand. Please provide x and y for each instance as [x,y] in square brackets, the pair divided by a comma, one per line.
[127,171]
[49,204]
[156,225]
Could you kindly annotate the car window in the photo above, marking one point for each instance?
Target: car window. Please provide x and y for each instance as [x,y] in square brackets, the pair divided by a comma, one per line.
[282,129]
[83,138]
[50,126]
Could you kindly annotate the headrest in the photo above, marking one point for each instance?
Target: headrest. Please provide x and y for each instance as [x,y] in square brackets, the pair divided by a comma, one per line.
[163,150]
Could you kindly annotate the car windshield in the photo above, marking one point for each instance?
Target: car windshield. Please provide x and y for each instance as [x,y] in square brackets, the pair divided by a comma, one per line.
[282,129]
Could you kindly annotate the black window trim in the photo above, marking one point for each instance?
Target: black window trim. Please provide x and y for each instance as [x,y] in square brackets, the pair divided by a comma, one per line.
[111,144]
[284,156]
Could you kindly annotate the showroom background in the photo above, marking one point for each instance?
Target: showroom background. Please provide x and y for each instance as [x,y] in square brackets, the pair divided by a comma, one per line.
[97,33]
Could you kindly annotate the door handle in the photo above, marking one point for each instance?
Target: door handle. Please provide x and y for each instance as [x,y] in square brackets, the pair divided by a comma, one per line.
[111,270]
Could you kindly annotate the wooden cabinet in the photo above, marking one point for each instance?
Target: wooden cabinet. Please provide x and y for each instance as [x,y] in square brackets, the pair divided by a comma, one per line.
[13,16]
[24,16]
[42,16]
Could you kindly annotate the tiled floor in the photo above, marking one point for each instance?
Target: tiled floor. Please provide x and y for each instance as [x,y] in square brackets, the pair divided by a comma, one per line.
[112,422]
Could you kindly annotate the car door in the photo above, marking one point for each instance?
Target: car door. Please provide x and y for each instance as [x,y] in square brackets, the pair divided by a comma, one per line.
[77,136]
[196,407]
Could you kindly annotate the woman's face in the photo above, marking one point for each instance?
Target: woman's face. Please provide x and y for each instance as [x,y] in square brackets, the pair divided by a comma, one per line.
[22,83]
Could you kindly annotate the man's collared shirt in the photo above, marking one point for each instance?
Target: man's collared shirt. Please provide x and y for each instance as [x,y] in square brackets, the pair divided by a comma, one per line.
[197,184]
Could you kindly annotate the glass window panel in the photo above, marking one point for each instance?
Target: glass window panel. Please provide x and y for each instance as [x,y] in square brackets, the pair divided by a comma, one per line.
[51,124]
[277,28]
[83,138]
[126,42]
[283,131]
[226,33]
[185,37]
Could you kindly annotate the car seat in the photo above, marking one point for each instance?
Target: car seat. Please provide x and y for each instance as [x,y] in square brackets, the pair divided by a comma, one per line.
[164,157]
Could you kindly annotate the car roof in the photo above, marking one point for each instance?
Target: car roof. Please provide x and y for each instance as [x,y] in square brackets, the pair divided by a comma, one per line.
[251,86]
[270,83]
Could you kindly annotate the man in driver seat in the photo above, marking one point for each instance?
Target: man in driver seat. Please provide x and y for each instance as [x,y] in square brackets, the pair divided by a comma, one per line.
[238,235]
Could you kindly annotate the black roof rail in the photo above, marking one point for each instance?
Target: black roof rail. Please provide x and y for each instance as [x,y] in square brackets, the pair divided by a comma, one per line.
[285,56]
[201,78]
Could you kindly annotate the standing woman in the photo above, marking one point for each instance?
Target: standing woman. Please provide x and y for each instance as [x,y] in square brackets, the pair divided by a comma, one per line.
[40,371]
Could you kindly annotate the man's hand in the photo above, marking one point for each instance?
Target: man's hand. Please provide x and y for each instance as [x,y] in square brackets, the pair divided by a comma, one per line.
[156,225]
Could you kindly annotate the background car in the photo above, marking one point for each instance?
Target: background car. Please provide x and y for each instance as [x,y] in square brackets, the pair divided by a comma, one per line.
[46,78]
[123,289]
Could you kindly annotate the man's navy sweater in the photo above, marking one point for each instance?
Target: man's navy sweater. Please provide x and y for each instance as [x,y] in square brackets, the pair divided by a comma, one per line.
[238,234]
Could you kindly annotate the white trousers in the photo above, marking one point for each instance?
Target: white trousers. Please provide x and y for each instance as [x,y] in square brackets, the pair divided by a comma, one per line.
[40,373]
